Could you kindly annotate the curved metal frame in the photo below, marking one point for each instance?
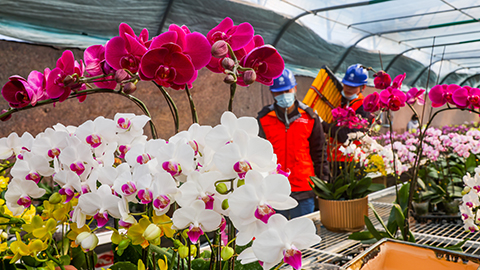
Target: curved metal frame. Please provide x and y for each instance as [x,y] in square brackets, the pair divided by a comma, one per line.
[434,62]
[468,78]
[452,72]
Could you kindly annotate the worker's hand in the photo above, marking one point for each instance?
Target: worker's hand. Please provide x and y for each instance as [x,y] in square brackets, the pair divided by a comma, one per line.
[321,120]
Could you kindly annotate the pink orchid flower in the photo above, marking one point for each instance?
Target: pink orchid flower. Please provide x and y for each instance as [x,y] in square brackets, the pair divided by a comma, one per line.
[466,97]
[19,92]
[397,82]
[60,83]
[236,35]
[95,65]
[126,51]
[167,65]
[393,98]
[415,95]
[382,80]
[441,94]
[194,46]
[371,102]
[266,62]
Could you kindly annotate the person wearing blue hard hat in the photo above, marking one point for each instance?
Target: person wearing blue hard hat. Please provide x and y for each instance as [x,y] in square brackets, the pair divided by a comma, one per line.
[297,136]
[354,82]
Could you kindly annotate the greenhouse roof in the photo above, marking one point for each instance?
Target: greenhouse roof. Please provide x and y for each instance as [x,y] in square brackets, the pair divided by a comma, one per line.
[397,36]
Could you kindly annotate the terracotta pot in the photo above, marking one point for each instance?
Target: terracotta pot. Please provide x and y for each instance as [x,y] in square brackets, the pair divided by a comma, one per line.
[343,216]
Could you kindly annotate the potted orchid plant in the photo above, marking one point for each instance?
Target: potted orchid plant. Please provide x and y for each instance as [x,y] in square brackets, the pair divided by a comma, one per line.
[67,182]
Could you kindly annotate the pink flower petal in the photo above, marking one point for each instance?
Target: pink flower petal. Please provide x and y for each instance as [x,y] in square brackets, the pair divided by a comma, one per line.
[223,26]
[242,36]
[114,51]
[198,48]
[151,60]
[123,29]
[167,37]
[184,68]
[180,35]
[460,97]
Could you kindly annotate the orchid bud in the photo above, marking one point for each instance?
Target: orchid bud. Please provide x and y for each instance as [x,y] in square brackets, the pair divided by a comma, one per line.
[69,80]
[229,79]
[466,190]
[221,188]
[152,232]
[227,253]
[225,204]
[14,230]
[228,63]
[219,49]
[129,88]
[3,236]
[185,233]
[193,250]
[5,118]
[183,252]
[121,75]
[177,243]
[249,77]
[87,240]
[55,198]
[36,245]
[124,244]
[240,182]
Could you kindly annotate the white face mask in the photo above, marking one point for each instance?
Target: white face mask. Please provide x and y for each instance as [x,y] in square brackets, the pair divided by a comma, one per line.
[350,97]
[285,100]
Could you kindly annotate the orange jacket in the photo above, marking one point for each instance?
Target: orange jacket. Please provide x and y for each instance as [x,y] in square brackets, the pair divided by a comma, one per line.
[292,144]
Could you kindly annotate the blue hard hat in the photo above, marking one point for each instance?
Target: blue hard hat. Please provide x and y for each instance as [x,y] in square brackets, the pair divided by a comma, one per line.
[285,82]
[355,76]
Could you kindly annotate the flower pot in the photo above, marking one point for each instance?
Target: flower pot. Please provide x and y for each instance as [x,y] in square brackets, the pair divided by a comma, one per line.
[343,216]
[420,208]
[399,255]
[451,208]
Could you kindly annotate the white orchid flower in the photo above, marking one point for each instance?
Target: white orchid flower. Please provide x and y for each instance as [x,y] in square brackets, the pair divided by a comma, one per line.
[164,192]
[129,123]
[244,154]
[127,220]
[20,193]
[145,154]
[31,167]
[471,199]
[14,145]
[99,203]
[224,133]
[199,186]
[197,219]
[69,182]
[97,133]
[252,205]
[127,184]
[50,143]
[194,136]
[283,240]
[77,157]
[177,159]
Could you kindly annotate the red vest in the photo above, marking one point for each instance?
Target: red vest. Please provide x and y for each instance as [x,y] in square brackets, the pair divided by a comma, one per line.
[292,147]
[335,154]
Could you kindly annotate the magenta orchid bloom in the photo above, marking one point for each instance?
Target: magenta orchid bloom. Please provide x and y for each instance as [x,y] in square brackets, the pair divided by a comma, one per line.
[393,98]
[167,65]
[126,51]
[371,102]
[415,95]
[266,62]
[95,65]
[397,82]
[347,117]
[466,96]
[382,80]
[236,35]
[60,82]
[18,93]
[441,94]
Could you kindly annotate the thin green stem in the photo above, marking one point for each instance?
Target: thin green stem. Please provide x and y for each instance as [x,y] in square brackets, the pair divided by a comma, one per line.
[233,88]
[192,105]
[55,260]
[171,105]
[138,102]
[393,151]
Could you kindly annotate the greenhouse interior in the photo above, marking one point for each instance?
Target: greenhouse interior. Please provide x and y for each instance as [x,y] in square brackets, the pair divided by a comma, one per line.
[239,134]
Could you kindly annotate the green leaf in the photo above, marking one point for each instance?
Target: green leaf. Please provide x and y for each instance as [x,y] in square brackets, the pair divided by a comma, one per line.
[458,246]
[338,193]
[392,223]
[402,198]
[376,187]
[380,220]
[400,219]
[65,259]
[372,229]
[321,188]
[200,264]
[457,171]
[362,185]
[470,163]
[361,236]
[123,266]
[161,251]
[30,261]
[421,184]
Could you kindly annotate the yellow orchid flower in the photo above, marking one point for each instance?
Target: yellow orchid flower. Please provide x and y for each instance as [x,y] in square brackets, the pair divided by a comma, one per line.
[163,264]
[144,233]
[165,224]
[3,247]
[140,265]
[3,183]
[59,211]
[41,229]
[19,248]
[27,214]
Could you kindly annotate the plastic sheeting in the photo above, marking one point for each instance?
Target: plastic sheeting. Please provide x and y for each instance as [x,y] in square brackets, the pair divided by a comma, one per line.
[374,29]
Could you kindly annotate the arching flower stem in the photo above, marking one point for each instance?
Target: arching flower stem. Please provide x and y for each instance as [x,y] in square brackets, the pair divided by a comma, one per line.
[138,102]
[171,105]
[192,105]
